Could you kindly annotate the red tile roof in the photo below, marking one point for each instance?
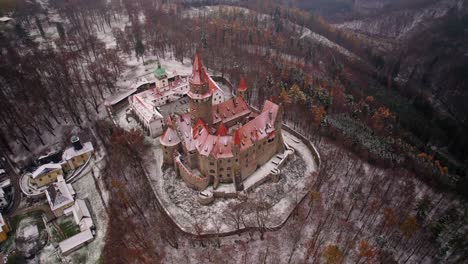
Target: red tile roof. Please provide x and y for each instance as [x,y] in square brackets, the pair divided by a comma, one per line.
[198,137]
[222,131]
[198,72]
[242,86]
[169,138]
[260,127]
[230,109]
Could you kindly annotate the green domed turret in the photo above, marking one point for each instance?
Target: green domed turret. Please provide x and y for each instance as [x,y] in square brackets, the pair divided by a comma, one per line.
[160,72]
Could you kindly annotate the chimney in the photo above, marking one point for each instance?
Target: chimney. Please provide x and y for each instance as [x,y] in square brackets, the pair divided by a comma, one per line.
[76,143]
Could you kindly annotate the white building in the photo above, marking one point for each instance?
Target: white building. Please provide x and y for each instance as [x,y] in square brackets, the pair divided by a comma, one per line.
[3,200]
[60,196]
[167,89]
[83,219]
[146,113]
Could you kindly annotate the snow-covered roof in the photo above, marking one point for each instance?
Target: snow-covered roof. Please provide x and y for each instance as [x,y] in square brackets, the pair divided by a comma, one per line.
[141,82]
[45,169]
[82,215]
[71,152]
[75,241]
[59,194]
[5,183]
[120,97]
[145,108]
[5,19]
[2,221]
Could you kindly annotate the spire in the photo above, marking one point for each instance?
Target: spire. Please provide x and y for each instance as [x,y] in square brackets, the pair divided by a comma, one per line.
[200,125]
[159,71]
[169,121]
[198,73]
[242,85]
[237,138]
[222,131]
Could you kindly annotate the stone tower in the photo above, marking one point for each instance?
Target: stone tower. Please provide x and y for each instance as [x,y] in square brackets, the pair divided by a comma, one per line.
[200,94]
[241,90]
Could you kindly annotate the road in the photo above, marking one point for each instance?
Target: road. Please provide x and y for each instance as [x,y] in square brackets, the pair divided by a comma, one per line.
[44,208]
[12,172]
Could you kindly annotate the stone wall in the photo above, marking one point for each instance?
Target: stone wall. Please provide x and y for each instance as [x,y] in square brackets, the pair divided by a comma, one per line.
[194,181]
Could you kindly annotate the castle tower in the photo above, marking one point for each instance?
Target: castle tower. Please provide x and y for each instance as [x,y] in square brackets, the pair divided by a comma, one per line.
[241,90]
[200,95]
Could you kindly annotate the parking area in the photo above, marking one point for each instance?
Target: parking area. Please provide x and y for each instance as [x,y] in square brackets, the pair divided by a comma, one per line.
[179,106]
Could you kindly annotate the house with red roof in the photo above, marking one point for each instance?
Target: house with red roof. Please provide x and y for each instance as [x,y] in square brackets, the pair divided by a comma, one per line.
[220,143]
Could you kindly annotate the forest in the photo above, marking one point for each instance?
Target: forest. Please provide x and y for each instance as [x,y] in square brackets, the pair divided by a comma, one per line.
[384,192]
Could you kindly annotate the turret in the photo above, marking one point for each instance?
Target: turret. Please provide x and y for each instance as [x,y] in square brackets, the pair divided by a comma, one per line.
[76,143]
[241,90]
[200,95]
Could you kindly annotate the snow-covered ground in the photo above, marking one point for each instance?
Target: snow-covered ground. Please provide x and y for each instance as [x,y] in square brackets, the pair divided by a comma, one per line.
[283,196]
[85,187]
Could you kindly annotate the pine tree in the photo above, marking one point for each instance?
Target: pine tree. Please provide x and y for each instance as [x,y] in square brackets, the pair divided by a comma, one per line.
[61,30]
[140,49]
[39,26]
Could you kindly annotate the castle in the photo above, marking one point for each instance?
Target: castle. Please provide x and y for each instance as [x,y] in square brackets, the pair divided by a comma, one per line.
[220,143]
[165,89]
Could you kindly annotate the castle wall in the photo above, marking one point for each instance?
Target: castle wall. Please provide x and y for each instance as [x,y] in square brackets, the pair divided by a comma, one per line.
[193,181]
[168,153]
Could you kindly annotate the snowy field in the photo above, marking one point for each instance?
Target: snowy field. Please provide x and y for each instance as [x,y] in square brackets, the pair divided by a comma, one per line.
[283,196]
[86,188]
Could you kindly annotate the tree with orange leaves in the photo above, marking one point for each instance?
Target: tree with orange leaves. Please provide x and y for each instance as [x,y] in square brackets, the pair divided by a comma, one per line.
[332,254]
[409,226]
[284,97]
[381,117]
[366,251]
[339,101]
[318,113]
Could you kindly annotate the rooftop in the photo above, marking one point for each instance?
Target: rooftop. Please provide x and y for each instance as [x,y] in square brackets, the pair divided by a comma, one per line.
[45,169]
[59,194]
[230,109]
[71,152]
[198,136]
[75,241]
[160,72]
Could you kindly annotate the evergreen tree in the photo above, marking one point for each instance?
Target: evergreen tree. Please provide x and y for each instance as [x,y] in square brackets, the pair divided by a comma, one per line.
[60,30]
[39,26]
[139,49]
[22,34]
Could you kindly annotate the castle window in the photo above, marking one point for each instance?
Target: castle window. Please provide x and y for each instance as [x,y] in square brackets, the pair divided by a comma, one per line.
[211,163]
[228,168]
[228,175]
[222,169]
[212,171]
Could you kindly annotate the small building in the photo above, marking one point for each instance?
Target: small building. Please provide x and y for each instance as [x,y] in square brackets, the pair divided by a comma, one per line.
[83,219]
[77,155]
[75,242]
[81,214]
[3,198]
[60,196]
[4,229]
[147,114]
[46,174]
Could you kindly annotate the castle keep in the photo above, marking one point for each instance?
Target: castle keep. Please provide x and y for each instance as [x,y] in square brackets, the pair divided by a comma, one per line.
[220,143]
